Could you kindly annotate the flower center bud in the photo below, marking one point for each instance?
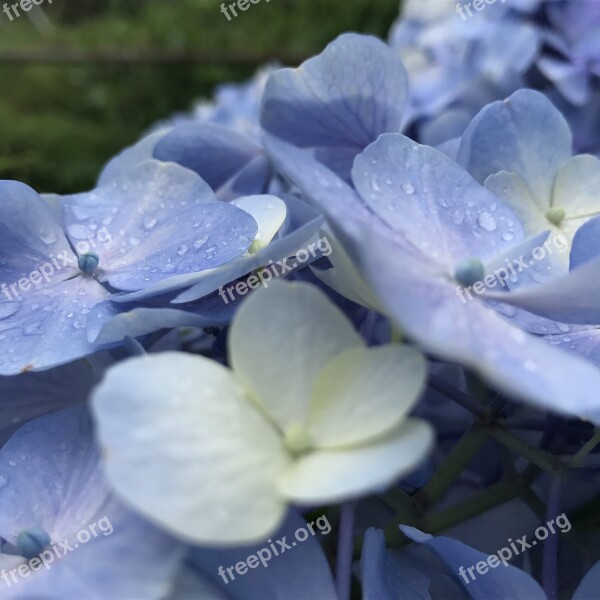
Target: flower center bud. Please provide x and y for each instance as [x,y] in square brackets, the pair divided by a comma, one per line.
[88,262]
[297,438]
[32,542]
[469,271]
[555,215]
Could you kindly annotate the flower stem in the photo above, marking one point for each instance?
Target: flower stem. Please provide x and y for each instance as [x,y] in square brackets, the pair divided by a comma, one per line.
[550,551]
[345,551]
[580,456]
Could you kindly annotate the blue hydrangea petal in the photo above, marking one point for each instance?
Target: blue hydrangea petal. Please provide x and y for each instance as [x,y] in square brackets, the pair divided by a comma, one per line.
[569,298]
[586,244]
[30,237]
[43,459]
[51,478]
[111,322]
[500,582]
[524,134]
[30,395]
[398,575]
[341,100]
[130,157]
[47,327]
[216,153]
[436,204]
[300,572]
[301,228]
[158,221]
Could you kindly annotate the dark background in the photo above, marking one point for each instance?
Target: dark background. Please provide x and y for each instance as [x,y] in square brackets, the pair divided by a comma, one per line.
[81,79]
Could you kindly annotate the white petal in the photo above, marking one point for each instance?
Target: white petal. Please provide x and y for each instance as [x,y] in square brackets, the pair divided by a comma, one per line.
[345,279]
[279,341]
[511,188]
[577,190]
[328,476]
[269,212]
[364,393]
[186,448]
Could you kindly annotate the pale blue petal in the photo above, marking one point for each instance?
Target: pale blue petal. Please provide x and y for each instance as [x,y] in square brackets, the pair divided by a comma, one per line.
[402,575]
[499,583]
[586,244]
[130,158]
[111,321]
[30,238]
[569,298]
[524,134]
[30,395]
[341,100]
[299,573]
[218,154]
[47,327]
[435,203]
[156,222]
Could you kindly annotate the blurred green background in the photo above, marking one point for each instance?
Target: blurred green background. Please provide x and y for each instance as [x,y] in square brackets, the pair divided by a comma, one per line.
[81,79]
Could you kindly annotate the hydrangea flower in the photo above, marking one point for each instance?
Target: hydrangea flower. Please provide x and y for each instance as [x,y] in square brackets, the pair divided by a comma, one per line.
[157,222]
[458,61]
[521,149]
[308,414]
[573,60]
[52,490]
[414,232]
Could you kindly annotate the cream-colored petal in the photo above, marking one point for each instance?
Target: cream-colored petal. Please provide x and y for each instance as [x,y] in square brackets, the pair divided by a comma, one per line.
[280,339]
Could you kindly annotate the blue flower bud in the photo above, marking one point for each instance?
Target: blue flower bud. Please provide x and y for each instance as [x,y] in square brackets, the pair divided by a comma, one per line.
[469,271]
[88,262]
[31,542]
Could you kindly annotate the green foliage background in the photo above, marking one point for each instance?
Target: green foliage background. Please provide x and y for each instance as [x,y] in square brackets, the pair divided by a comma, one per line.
[60,122]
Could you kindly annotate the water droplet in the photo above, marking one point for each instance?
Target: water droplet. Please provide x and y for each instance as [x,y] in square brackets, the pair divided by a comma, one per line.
[149,221]
[487,221]
[33,329]
[182,250]
[47,235]
[200,242]
[407,188]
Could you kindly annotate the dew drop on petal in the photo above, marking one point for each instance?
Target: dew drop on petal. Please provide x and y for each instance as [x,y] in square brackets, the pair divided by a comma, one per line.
[487,221]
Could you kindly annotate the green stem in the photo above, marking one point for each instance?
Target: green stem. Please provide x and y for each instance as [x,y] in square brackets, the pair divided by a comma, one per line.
[577,460]
[538,457]
[451,468]
[496,494]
